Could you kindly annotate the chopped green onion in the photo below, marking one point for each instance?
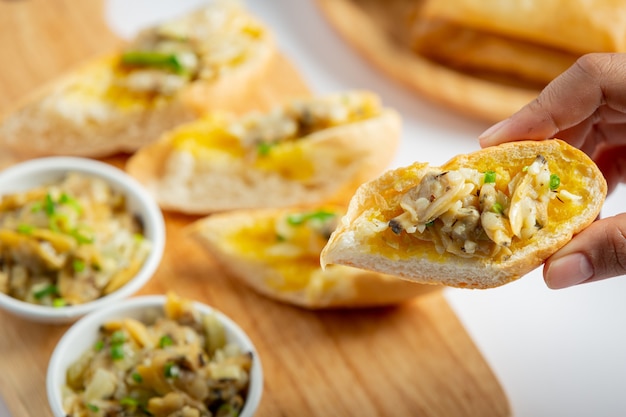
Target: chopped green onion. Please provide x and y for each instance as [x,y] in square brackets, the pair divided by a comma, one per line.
[118,337]
[59,302]
[430,223]
[153,59]
[81,237]
[296,219]
[93,408]
[264,148]
[117,352]
[137,377]
[497,208]
[50,289]
[70,201]
[165,341]
[490,177]
[78,265]
[555,181]
[26,229]
[37,206]
[280,238]
[171,370]
[525,168]
[49,205]
[129,401]
[98,346]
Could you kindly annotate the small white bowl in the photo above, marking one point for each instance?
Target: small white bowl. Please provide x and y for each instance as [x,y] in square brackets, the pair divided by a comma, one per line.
[34,173]
[84,333]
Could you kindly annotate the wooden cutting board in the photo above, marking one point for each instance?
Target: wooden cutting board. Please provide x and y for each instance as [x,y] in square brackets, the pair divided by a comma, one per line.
[411,360]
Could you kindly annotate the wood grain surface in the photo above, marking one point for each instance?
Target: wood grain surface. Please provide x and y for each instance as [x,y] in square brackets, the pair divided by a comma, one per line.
[411,360]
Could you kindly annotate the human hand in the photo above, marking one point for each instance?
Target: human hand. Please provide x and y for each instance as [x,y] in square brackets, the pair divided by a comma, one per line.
[585,106]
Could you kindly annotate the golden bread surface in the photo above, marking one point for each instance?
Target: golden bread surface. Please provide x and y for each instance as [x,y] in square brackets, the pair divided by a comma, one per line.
[276,252]
[306,151]
[358,242]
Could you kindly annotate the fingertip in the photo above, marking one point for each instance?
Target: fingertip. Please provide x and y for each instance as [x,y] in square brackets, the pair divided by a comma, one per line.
[570,270]
[492,136]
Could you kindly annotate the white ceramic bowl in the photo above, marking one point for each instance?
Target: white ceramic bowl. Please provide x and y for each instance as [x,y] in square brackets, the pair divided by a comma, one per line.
[36,172]
[84,333]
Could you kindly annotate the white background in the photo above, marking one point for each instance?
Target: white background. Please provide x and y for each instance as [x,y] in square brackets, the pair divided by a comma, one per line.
[556,353]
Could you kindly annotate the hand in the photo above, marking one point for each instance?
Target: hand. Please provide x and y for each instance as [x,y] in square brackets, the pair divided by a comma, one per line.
[585,106]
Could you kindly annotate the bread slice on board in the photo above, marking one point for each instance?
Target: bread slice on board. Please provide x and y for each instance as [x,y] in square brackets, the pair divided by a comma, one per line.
[276,253]
[479,221]
[216,57]
[306,151]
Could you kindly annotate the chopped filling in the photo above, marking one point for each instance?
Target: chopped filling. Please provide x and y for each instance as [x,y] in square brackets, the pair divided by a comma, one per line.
[198,46]
[69,242]
[471,213]
[269,140]
[302,117]
[176,364]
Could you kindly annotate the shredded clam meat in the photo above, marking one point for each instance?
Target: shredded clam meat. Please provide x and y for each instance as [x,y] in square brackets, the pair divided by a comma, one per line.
[176,364]
[465,212]
[68,242]
[302,117]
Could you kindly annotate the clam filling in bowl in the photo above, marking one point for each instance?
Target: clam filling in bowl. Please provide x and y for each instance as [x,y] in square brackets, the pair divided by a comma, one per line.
[475,214]
[68,242]
[176,364]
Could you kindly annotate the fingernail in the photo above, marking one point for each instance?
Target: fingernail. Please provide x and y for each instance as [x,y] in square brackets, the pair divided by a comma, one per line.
[492,130]
[568,271]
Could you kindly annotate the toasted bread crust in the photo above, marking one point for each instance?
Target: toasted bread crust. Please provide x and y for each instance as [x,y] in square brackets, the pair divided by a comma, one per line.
[355,244]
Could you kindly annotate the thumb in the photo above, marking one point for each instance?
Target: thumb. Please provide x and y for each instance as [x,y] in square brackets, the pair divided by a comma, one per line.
[596,253]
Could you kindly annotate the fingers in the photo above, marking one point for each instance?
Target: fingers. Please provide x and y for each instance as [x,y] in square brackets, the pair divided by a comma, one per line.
[612,163]
[571,98]
[596,253]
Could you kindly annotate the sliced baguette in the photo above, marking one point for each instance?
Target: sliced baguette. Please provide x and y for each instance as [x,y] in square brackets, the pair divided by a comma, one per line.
[209,166]
[365,239]
[98,109]
[281,261]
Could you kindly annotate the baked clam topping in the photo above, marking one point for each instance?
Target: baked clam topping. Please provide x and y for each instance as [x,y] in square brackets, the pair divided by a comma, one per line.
[472,213]
[302,117]
[199,46]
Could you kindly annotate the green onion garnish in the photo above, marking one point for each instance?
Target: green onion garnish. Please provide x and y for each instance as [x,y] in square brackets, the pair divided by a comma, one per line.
[497,208]
[117,352]
[98,346]
[555,181]
[59,302]
[137,377]
[26,229]
[50,289]
[296,219]
[78,265]
[165,341]
[93,408]
[48,205]
[170,370]
[490,177]
[163,60]
[129,401]
[264,148]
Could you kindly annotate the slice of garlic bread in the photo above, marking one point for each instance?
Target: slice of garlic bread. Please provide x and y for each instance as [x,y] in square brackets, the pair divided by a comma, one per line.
[479,221]
[208,59]
[307,151]
[276,252]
